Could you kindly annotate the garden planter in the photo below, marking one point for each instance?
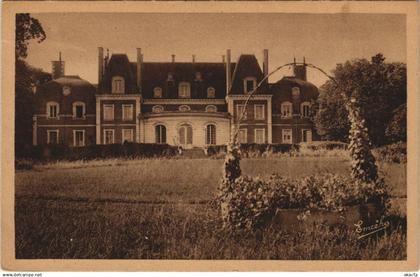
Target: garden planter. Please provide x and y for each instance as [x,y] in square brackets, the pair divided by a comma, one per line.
[298,219]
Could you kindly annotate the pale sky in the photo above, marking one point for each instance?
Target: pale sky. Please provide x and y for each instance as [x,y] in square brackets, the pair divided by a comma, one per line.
[324,39]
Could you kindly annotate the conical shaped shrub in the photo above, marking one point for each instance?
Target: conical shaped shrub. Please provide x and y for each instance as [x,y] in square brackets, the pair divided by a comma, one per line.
[363,166]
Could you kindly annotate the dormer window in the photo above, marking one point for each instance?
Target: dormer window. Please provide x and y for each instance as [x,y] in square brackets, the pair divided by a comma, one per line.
[118,84]
[286,109]
[170,77]
[157,92]
[52,110]
[250,83]
[79,110]
[184,90]
[211,92]
[66,90]
[198,76]
[295,92]
[305,109]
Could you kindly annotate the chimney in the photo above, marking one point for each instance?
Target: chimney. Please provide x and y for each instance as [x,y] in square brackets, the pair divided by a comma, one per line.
[299,70]
[265,62]
[57,67]
[139,68]
[100,65]
[228,72]
[193,58]
[173,58]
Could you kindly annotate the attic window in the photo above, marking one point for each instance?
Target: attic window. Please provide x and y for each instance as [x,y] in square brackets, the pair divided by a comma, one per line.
[66,90]
[211,92]
[249,84]
[157,92]
[117,84]
[170,77]
[295,92]
[184,108]
[157,109]
[198,76]
[211,109]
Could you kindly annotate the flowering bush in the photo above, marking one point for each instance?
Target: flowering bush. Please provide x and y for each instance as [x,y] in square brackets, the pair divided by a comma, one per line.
[248,203]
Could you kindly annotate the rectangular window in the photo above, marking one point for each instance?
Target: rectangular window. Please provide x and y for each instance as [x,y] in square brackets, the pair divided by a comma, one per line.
[239,110]
[259,135]
[108,136]
[286,110]
[52,111]
[211,134]
[79,138]
[242,136]
[79,111]
[127,111]
[108,112]
[306,135]
[287,136]
[127,135]
[259,112]
[52,136]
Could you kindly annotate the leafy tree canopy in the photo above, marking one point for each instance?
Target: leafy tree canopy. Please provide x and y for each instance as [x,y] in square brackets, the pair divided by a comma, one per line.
[26,76]
[380,88]
[27,28]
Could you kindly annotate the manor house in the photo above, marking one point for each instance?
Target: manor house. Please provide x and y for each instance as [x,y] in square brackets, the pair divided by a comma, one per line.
[190,104]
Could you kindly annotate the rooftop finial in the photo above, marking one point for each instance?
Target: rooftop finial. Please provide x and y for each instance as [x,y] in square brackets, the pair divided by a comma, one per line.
[59,56]
[304,60]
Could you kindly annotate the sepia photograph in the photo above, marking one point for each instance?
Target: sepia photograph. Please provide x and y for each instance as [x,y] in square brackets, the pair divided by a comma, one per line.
[275,136]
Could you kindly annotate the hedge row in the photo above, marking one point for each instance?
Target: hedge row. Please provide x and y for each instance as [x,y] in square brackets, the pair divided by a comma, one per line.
[127,150]
[248,149]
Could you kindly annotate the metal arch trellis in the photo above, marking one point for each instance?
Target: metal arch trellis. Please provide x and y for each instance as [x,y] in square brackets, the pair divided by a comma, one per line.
[238,123]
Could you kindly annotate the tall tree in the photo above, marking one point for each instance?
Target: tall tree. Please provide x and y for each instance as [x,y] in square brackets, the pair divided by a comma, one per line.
[380,88]
[27,29]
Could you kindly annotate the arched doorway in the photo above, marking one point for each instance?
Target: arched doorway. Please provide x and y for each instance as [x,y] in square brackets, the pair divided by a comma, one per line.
[185,133]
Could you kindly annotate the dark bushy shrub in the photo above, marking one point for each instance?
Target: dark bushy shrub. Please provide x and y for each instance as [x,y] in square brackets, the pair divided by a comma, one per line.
[393,153]
[248,203]
[127,150]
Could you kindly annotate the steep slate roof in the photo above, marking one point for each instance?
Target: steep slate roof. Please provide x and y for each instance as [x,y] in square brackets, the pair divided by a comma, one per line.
[247,66]
[155,74]
[72,81]
[282,91]
[81,90]
[119,65]
[283,88]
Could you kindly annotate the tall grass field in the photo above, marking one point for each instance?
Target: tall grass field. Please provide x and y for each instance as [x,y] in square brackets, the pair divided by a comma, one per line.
[162,209]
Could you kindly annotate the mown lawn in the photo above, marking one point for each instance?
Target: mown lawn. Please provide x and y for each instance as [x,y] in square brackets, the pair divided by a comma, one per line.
[147,209]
